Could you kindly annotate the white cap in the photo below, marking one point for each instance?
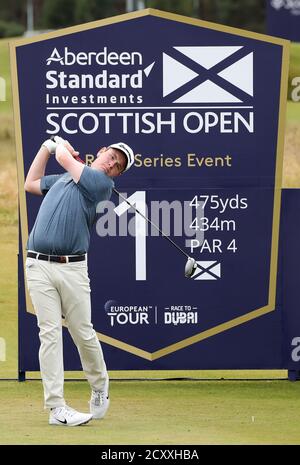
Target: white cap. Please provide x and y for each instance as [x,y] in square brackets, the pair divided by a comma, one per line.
[128,152]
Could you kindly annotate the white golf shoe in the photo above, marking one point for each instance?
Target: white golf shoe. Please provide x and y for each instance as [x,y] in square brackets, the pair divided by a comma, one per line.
[66,416]
[99,402]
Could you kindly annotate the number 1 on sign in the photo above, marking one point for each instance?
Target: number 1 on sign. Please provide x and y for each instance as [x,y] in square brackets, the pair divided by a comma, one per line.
[139,200]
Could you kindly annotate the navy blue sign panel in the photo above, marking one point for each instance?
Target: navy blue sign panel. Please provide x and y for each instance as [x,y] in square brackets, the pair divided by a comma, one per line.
[271,341]
[283,19]
[290,253]
[202,105]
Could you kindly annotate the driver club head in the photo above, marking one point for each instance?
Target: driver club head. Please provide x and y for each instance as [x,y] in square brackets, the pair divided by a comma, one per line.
[190,267]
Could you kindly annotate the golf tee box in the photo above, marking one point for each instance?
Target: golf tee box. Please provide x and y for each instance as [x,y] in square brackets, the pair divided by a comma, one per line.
[203,107]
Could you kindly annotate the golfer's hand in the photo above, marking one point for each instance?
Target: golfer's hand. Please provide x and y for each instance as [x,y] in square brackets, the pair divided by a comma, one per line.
[50,145]
[67,145]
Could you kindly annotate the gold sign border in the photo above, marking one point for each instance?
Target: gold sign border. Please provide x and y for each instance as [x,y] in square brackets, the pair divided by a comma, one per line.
[278,174]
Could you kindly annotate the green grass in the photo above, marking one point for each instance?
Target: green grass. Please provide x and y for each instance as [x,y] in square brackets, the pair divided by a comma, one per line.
[294,68]
[295,58]
[8,299]
[159,412]
[293,112]
[5,73]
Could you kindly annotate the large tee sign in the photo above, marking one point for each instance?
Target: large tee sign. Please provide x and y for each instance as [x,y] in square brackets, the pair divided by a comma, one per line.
[203,106]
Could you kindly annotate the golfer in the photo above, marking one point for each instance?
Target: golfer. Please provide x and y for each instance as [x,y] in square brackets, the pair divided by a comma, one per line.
[56,268]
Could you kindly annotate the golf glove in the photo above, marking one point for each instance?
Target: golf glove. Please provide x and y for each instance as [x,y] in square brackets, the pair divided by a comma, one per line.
[51,144]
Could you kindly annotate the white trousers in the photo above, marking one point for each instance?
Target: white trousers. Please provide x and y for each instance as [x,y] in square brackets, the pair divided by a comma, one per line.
[58,289]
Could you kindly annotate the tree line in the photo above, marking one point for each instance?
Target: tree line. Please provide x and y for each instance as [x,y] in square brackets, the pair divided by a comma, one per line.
[55,14]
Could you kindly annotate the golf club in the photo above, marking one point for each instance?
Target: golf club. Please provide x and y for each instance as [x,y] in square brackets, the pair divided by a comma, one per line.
[191,264]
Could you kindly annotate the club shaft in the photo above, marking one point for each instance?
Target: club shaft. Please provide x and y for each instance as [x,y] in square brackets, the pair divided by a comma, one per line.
[153,224]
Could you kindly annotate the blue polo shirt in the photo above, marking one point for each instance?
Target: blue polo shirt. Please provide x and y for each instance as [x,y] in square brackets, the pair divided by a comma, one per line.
[68,212]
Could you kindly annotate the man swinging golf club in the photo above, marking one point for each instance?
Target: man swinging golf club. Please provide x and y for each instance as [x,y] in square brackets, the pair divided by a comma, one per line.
[56,268]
